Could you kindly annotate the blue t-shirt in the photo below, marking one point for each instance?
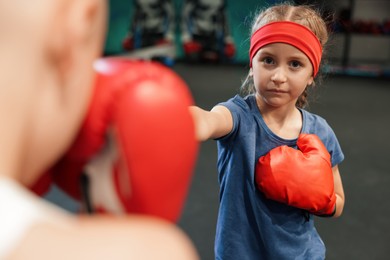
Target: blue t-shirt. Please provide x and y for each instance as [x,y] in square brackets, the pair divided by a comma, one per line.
[249,225]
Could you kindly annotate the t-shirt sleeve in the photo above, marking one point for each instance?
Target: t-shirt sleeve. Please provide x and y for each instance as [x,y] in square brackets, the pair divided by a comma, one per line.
[334,147]
[235,105]
[320,127]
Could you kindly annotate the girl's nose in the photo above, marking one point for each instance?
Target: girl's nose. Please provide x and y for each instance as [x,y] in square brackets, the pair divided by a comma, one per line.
[279,75]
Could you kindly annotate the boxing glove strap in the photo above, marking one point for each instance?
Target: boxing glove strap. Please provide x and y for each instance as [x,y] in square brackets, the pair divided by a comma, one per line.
[327,215]
[85,194]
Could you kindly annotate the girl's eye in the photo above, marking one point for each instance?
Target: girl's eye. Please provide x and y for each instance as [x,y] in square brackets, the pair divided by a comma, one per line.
[295,64]
[268,60]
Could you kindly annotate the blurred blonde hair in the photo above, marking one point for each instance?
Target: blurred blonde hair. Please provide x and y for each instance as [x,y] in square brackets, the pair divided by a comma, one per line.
[302,14]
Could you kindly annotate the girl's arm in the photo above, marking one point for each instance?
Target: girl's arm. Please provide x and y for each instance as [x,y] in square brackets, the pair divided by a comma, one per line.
[339,190]
[211,124]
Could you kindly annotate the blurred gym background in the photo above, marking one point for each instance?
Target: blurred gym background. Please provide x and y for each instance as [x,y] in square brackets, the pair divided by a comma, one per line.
[206,42]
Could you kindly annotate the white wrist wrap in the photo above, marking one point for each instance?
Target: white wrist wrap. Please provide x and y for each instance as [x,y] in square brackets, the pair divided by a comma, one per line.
[20,210]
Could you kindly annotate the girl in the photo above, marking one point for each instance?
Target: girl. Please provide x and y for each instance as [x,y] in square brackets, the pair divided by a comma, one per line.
[285,53]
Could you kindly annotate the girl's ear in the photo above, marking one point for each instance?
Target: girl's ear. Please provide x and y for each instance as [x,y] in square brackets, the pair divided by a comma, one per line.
[251,72]
[310,81]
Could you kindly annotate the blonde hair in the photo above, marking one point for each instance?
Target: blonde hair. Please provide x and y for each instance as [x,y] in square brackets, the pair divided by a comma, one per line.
[302,14]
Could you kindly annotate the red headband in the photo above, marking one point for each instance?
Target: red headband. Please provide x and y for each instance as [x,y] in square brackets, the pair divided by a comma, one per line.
[291,33]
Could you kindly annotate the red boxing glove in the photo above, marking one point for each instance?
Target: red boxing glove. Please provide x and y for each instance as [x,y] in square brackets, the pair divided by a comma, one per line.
[300,178]
[229,50]
[128,43]
[138,140]
[163,41]
[192,47]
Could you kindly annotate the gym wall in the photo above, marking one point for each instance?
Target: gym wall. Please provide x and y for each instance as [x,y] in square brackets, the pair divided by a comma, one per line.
[240,15]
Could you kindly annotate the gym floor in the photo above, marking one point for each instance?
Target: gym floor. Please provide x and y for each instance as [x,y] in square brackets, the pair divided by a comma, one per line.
[358,109]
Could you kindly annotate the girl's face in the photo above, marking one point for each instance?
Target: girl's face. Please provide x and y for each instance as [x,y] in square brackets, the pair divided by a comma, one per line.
[280,73]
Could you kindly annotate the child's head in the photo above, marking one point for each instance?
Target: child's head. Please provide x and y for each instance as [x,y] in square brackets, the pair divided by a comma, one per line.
[47,49]
[302,15]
